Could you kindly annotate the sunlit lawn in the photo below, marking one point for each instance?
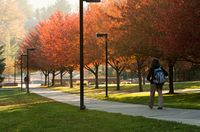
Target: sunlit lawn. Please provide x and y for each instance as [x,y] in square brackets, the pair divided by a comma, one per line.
[32,113]
[186,100]
[129,88]
[129,94]
[190,85]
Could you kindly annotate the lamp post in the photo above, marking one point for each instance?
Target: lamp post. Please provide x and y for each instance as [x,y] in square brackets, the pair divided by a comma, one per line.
[28,78]
[22,70]
[15,64]
[82,106]
[106,38]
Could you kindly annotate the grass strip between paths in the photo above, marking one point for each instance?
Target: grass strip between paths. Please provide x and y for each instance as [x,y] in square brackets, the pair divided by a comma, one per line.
[129,94]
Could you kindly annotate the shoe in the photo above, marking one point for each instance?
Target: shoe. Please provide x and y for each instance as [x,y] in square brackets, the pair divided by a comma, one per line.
[160,108]
[150,106]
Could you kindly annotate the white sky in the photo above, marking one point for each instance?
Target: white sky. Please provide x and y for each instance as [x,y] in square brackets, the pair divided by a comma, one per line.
[45,3]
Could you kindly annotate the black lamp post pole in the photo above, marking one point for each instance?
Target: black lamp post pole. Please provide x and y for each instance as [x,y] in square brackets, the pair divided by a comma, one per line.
[27,72]
[28,78]
[105,35]
[15,73]
[82,106]
[106,65]
[22,70]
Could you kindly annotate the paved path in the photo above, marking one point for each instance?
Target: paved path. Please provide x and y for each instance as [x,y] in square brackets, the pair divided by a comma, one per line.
[179,115]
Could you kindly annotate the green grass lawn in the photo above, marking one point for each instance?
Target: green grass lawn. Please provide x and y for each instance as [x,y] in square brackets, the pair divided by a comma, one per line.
[21,112]
[129,94]
[190,85]
[127,88]
[185,101]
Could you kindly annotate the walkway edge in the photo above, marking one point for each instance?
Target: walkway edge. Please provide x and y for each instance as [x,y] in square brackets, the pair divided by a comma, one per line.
[185,116]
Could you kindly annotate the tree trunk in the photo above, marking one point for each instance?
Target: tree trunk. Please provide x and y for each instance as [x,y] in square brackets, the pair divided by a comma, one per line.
[144,82]
[61,77]
[96,76]
[175,74]
[48,80]
[171,85]
[71,80]
[45,79]
[118,80]
[53,78]
[140,80]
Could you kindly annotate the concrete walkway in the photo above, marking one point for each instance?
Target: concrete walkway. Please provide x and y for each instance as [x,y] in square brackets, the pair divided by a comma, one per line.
[179,115]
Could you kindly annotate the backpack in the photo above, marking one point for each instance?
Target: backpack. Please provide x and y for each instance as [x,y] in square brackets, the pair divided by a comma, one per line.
[159,77]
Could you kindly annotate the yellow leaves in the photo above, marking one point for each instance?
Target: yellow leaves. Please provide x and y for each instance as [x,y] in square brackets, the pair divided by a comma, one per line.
[9,69]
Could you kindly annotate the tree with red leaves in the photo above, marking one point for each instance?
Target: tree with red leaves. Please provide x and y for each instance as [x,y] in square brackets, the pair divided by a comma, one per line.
[56,44]
[177,24]
[95,22]
[132,32]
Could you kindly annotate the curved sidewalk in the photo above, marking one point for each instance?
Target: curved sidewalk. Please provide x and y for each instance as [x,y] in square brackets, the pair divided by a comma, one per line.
[170,114]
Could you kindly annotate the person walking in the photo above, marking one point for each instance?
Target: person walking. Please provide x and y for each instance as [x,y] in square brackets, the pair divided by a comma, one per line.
[156,77]
[26,81]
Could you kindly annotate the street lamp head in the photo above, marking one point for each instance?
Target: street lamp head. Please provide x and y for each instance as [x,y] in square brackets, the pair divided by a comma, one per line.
[31,49]
[92,0]
[101,34]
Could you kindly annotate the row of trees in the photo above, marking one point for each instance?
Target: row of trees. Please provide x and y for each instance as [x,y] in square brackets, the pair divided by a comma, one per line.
[138,30]
[17,17]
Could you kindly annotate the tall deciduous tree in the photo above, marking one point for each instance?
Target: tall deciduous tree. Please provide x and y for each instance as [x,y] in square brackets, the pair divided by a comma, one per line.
[95,22]
[134,31]
[56,43]
[2,65]
[173,20]
[118,64]
[11,30]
